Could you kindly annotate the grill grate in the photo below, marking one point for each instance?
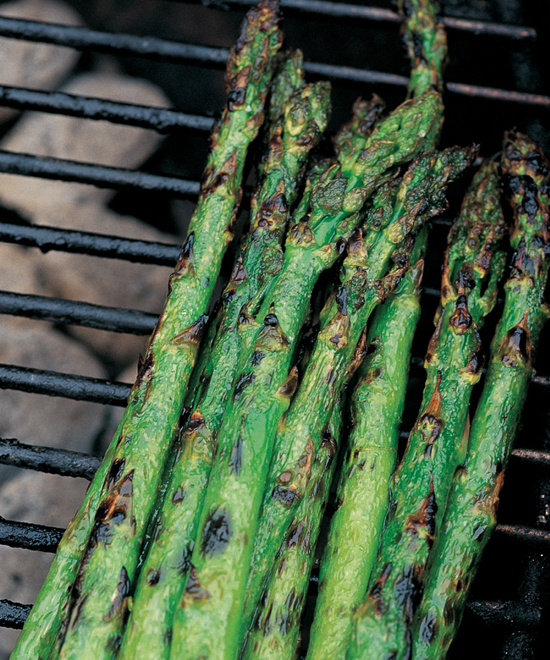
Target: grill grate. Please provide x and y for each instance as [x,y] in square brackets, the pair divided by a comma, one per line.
[513,625]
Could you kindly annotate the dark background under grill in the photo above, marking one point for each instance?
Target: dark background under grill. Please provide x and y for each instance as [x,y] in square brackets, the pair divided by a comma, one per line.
[497,80]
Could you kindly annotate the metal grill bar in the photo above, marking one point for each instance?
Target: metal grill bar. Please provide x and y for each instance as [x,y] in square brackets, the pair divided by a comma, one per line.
[97,175]
[69,386]
[59,310]
[378,14]
[122,44]
[105,42]
[98,245]
[13,615]
[29,536]
[87,107]
[47,459]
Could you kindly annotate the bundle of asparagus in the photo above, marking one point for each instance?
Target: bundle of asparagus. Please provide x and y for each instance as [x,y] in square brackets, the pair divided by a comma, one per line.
[198,533]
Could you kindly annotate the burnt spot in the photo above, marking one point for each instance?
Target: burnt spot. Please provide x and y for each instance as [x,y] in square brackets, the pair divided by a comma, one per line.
[184,562]
[145,369]
[291,383]
[186,255]
[423,521]
[213,180]
[418,48]
[265,621]
[256,358]
[340,245]
[465,280]
[194,587]
[430,423]
[236,458]
[243,381]
[111,512]
[341,300]
[196,422]
[355,242]
[307,141]
[295,535]
[244,318]
[335,339]
[519,339]
[192,334]
[167,636]
[113,644]
[271,321]
[217,532]
[285,496]
[115,472]
[237,94]
[153,577]
[428,628]
[461,319]
[330,378]
[476,359]
[239,273]
[375,593]
[529,203]
[121,594]
[229,294]
[178,496]
[407,592]
[328,443]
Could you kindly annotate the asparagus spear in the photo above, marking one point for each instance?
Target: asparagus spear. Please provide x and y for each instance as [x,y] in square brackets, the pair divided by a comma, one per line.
[426,43]
[111,516]
[399,209]
[363,493]
[263,389]
[166,567]
[470,517]
[275,633]
[420,485]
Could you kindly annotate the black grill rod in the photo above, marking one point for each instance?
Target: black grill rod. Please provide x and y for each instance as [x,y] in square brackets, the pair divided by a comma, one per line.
[101,176]
[62,462]
[83,38]
[31,536]
[69,386]
[14,615]
[75,464]
[378,14]
[122,44]
[98,245]
[74,312]
[88,107]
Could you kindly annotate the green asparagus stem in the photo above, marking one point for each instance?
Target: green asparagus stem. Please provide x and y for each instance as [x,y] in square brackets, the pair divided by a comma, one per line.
[379,401]
[420,485]
[363,493]
[470,517]
[213,598]
[276,632]
[166,567]
[399,209]
[109,526]
[426,43]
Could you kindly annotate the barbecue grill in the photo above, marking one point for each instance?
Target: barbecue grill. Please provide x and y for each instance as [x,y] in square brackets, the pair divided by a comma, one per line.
[496,82]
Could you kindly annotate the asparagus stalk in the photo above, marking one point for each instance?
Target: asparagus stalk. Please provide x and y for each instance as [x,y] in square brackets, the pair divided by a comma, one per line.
[276,631]
[426,43]
[166,567]
[363,493]
[399,209]
[470,517]
[109,527]
[437,443]
[221,557]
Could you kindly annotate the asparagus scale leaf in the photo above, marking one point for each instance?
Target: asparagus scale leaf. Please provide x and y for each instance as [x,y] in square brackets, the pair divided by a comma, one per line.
[263,388]
[362,498]
[436,446]
[166,566]
[108,529]
[470,517]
